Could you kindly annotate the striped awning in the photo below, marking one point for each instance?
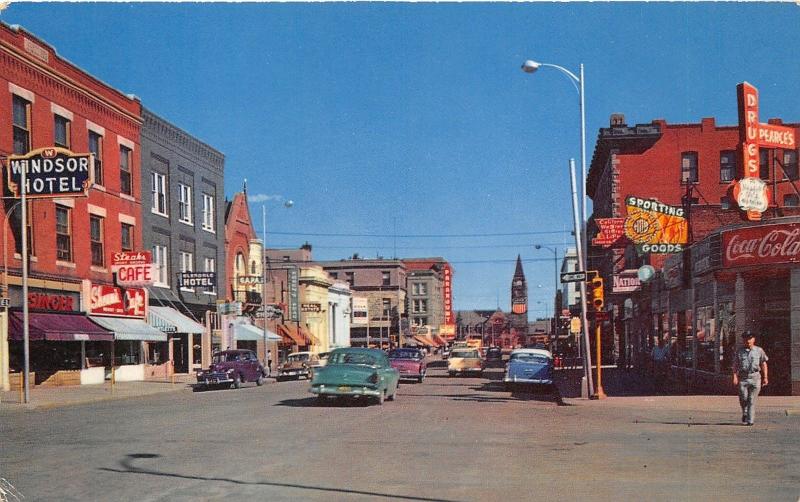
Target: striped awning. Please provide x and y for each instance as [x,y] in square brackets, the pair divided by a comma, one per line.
[291,336]
[170,320]
[250,333]
[130,329]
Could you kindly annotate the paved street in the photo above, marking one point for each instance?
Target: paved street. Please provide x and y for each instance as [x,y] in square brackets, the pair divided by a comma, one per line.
[444,439]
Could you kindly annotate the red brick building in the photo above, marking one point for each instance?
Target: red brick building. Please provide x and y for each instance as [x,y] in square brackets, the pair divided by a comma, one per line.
[691,300]
[47,101]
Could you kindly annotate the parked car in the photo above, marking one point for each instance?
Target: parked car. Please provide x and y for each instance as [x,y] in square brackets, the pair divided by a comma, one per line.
[232,368]
[529,366]
[356,372]
[463,361]
[410,363]
[494,354]
[298,364]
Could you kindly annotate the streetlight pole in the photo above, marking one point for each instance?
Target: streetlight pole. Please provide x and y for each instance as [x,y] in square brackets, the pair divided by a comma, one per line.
[555,285]
[287,204]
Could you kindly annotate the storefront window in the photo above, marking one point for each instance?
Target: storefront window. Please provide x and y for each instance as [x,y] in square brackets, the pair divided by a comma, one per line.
[727,335]
[706,338]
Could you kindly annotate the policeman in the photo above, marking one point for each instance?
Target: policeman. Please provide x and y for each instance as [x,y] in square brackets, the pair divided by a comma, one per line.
[750,374]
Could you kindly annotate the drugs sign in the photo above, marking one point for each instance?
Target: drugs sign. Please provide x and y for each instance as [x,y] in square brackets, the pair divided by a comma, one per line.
[51,172]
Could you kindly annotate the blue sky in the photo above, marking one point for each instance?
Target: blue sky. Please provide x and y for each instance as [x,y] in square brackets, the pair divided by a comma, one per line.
[414,119]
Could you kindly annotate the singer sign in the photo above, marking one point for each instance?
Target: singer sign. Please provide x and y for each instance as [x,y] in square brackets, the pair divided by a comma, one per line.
[762,245]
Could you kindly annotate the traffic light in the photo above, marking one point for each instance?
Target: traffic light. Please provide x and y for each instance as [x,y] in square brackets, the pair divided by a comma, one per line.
[597,293]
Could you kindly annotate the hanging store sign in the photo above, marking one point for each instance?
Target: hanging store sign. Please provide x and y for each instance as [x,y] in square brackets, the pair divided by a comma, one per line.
[46,301]
[655,227]
[249,280]
[750,191]
[611,231]
[294,297]
[761,245]
[229,308]
[107,300]
[311,307]
[133,268]
[197,279]
[447,292]
[626,281]
[51,172]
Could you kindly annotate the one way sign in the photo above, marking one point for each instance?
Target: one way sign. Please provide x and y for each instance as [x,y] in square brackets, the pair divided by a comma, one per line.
[573,276]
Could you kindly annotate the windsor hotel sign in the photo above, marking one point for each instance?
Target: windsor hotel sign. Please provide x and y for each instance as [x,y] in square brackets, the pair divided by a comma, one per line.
[51,172]
[761,245]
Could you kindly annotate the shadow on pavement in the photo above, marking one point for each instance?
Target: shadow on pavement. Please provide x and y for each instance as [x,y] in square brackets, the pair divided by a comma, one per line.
[127,467]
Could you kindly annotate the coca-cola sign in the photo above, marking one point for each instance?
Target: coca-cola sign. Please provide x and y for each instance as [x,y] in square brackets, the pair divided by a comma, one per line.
[767,244]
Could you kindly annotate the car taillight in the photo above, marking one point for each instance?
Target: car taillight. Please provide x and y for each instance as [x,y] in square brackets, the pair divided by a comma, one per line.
[373,378]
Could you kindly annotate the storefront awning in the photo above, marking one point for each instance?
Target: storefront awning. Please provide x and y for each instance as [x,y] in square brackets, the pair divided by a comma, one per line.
[439,340]
[57,327]
[250,333]
[174,321]
[291,336]
[130,329]
[309,336]
[423,340]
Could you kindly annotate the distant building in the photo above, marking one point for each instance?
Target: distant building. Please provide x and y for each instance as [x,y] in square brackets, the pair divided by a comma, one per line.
[426,291]
[519,300]
[571,293]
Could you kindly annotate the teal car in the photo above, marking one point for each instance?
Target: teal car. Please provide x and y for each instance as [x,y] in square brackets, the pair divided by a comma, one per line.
[356,372]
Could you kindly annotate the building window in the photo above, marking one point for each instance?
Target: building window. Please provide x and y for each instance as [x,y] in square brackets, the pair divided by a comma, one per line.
[208,212]
[253,265]
[420,306]
[334,275]
[21,125]
[63,233]
[210,265]
[790,164]
[61,131]
[387,306]
[96,237]
[386,278]
[727,165]
[126,237]
[724,203]
[185,203]
[419,288]
[159,182]
[187,264]
[689,167]
[96,147]
[420,321]
[791,200]
[125,185]
[350,277]
[160,264]
[763,164]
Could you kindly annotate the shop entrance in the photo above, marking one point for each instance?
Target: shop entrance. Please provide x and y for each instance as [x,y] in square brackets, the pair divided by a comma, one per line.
[774,334]
[180,352]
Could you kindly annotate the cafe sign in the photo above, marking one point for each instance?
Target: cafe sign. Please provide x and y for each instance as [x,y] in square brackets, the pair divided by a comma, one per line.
[51,172]
[133,268]
[107,300]
[761,245]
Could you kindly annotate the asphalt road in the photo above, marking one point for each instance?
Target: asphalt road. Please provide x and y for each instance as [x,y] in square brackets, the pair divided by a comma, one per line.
[445,439]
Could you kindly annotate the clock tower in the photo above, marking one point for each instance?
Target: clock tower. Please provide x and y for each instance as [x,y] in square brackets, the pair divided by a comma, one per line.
[519,300]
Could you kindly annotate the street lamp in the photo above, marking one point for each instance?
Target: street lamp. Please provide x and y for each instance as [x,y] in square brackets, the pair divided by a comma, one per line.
[289,203]
[530,66]
[555,284]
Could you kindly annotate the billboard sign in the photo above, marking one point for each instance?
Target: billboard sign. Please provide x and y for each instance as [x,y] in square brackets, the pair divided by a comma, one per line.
[626,281]
[133,268]
[447,291]
[611,231]
[51,172]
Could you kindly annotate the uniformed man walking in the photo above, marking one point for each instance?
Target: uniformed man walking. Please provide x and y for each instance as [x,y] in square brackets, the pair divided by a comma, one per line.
[750,374]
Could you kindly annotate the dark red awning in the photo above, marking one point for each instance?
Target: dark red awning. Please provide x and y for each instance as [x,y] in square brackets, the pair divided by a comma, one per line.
[57,327]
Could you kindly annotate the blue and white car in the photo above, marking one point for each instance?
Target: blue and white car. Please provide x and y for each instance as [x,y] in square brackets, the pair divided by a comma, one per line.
[529,366]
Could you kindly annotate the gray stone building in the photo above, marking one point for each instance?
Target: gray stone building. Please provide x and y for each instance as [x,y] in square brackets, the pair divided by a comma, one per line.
[183,210]
[426,291]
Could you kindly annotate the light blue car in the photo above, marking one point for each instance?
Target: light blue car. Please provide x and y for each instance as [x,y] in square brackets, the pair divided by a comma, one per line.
[529,366]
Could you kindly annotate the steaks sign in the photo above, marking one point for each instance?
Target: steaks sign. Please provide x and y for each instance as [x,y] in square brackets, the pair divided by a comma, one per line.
[761,245]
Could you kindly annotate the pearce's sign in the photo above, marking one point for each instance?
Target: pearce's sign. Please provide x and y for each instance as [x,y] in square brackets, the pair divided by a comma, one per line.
[51,172]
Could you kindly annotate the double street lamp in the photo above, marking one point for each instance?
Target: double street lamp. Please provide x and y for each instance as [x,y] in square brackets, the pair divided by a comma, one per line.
[530,66]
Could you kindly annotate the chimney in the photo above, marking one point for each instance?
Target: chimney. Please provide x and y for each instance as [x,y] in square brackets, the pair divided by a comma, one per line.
[618,120]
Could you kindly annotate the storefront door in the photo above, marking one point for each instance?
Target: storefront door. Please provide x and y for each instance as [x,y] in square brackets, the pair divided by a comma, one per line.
[180,352]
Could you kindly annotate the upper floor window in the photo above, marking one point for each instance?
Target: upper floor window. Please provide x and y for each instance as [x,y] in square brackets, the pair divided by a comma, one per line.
[61,131]
[96,147]
[210,265]
[208,212]
[419,288]
[159,184]
[126,237]
[689,167]
[185,203]
[387,306]
[63,233]
[21,125]
[187,262]
[386,278]
[724,202]
[790,164]
[791,200]
[160,265]
[727,165]
[763,164]
[125,185]
[420,306]
[96,237]
[350,277]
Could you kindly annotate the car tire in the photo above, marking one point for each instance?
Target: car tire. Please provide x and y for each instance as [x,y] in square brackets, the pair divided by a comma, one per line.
[381,397]
[260,380]
[394,394]
[451,373]
[198,388]
[237,382]
[322,399]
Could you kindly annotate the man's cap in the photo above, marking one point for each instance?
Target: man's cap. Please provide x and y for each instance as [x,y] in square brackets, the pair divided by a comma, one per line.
[748,335]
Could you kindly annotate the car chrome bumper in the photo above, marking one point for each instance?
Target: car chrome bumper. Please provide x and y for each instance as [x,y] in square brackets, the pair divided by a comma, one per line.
[335,390]
[214,381]
[514,379]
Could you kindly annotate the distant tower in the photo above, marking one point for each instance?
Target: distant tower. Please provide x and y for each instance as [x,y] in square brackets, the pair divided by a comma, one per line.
[519,299]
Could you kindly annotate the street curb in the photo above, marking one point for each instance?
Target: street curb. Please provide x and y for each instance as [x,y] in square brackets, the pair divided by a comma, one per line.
[80,401]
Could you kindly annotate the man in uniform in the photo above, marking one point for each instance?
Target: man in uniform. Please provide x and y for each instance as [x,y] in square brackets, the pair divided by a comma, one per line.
[750,374]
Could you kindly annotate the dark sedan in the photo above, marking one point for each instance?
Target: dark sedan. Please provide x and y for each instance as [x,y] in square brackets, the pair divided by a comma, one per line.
[232,368]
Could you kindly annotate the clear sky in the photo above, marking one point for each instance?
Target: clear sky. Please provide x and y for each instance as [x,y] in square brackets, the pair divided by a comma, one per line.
[408,129]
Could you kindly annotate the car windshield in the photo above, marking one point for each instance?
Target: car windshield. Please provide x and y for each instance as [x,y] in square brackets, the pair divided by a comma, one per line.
[352,358]
[530,358]
[226,357]
[298,357]
[464,353]
[405,354]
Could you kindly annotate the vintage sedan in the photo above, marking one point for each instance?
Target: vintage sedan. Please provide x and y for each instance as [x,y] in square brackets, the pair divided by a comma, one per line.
[529,366]
[298,364]
[410,363]
[465,361]
[356,372]
[232,368]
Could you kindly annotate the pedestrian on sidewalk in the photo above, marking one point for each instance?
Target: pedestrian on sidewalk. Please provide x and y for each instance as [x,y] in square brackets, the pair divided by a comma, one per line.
[749,374]
[660,360]
[269,363]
